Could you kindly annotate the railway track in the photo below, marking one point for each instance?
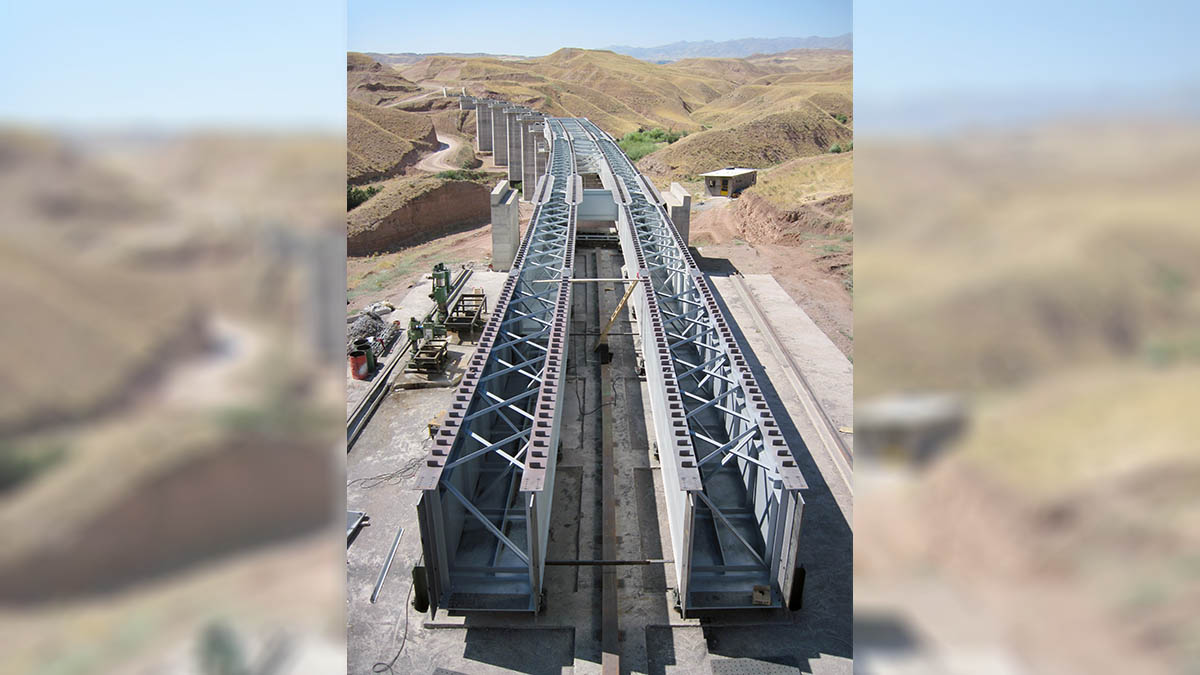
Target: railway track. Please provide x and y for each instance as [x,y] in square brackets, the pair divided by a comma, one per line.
[375,395]
[831,439]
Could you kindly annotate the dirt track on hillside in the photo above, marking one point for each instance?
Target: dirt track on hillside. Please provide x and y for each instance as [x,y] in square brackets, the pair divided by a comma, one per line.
[439,161]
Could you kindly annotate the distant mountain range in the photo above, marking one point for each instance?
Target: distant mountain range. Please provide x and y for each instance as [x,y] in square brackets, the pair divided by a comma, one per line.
[733,48]
[405,58]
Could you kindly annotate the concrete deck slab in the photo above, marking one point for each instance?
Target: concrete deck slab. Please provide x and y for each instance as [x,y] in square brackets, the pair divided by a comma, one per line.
[566,638]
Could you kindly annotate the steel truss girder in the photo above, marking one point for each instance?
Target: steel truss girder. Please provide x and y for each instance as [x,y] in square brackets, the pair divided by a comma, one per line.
[487,483]
[719,560]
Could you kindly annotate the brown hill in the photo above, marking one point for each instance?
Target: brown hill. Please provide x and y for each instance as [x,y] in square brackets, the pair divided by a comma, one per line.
[617,92]
[761,142]
[372,82]
[722,102]
[410,210]
[381,142]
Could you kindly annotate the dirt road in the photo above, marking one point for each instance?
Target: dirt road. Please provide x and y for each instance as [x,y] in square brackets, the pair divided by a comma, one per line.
[440,160]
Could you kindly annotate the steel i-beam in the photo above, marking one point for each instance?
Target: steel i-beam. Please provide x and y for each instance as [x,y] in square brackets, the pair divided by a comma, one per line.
[732,485]
[488,483]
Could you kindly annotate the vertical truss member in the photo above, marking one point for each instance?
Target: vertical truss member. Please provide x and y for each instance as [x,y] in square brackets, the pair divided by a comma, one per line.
[732,485]
[488,482]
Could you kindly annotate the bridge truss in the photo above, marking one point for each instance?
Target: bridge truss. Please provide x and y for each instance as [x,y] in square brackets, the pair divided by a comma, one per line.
[731,483]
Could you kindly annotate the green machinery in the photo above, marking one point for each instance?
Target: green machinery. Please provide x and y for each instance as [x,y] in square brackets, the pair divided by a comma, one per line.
[429,337]
[429,347]
[441,291]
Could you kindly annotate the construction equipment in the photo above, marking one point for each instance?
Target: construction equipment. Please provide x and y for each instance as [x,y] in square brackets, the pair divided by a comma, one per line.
[441,291]
[731,483]
[468,313]
[429,338]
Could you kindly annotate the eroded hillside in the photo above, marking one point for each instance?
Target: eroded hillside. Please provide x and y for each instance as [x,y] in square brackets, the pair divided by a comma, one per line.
[761,111]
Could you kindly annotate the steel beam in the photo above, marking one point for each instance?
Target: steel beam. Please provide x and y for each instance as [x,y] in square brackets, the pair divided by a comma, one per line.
[488,482]
[702,392]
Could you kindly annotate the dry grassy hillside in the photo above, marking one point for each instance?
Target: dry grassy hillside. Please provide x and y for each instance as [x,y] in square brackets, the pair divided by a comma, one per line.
[1050,274]
[1009,283]
[411,209]
[765,141]
[762,110]
[374,83]
[380,142]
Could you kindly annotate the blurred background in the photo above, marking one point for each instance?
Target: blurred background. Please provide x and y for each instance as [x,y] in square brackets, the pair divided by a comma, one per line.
[171,267]
[1027,319]
[1028,327]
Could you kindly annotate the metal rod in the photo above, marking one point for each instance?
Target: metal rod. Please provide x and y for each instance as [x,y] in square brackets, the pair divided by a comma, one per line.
[606,563]
[613,319]
[581,281]
[387,566]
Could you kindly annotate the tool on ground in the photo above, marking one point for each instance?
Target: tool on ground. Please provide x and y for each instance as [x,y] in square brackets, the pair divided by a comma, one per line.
[613,319]
[354,522]
[430,347]
[387,566]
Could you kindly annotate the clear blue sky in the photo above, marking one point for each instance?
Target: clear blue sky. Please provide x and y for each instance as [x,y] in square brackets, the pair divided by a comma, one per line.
[123,63]
[926,46]
[281,63]
[537,27]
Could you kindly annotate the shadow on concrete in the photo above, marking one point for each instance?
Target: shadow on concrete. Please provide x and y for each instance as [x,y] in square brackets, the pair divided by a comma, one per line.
[824,624]
[526,650]
[717,267]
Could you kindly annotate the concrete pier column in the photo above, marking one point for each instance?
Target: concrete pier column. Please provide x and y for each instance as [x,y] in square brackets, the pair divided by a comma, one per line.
[499,134]
[483,125]
[506,226]
[541,154]
[512,117]
[679,208]
[531,133]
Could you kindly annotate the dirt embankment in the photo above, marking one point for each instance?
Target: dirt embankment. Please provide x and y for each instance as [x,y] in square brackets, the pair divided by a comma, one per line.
[390,221]
[382,142]
[764,223]
[808,249]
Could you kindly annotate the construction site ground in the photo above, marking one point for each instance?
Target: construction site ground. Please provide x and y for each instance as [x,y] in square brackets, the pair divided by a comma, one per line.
[416,303]
[566,637]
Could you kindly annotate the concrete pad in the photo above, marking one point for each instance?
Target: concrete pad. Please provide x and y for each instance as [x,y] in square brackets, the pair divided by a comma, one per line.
[416,303]
[827,370]
[567,636]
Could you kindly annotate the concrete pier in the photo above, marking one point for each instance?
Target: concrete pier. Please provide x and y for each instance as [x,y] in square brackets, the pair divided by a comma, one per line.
[506,226]
[531,132]
[512,117]
[541,154]
[466,103]
[483,125]
[499,134]
[679,208]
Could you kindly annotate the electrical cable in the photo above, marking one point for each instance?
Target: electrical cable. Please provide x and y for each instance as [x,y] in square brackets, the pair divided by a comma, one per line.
[405,472]
[387,666]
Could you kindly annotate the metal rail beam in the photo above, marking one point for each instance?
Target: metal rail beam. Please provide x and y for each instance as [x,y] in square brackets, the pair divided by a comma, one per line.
[488,482]
[722,562]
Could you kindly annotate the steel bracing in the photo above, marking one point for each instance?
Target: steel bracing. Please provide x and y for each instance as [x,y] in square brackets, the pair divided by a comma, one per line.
[731,483]
[488,482]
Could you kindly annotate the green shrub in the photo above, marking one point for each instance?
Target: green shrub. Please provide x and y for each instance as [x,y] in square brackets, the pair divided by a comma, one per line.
[835,148]
[461,174]
[637,149]
[357,195]
[840,117]
[638,144]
